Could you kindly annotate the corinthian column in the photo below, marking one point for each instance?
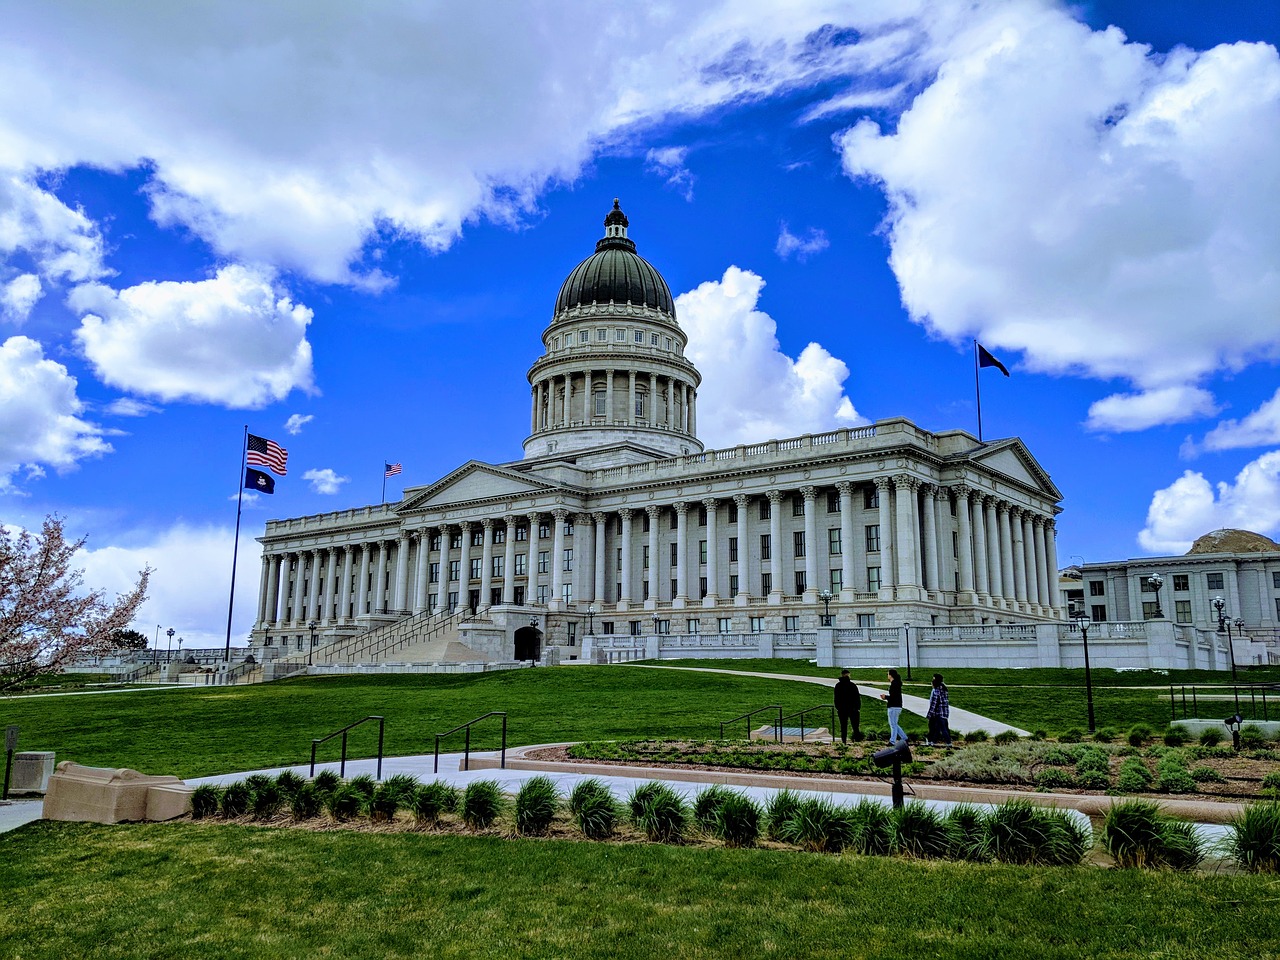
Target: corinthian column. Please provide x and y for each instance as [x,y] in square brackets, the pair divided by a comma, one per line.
[682,553]
[509,560]
[810,495]
[888,549]
[624,572]
[598,563]
[775,545]
[746,567]
[655,516]
[966,543]
[848,544]
[713,553]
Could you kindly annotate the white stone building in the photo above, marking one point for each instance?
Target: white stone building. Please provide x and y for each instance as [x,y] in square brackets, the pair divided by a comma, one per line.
[616,521]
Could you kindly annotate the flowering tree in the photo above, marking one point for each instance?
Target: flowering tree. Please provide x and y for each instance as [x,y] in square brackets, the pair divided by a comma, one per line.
[47,617]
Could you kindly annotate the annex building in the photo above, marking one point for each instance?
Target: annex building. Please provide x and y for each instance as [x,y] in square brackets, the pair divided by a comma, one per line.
[617,529]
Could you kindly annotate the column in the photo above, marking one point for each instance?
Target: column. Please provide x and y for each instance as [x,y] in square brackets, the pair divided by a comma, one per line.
[981,548]
[1042,568]
[568,399]
[904,530]
[947,573]
[713,552]
[362,587]
[1029,558]
[533,402]
[380,579]
[1051,564]
[509,560]
[631,404]
[671,403]
[531,586]
[653,400]
[423,540]
[330,584]
[682,553]
[847,542]
[608,396]
[810,495]
[600,561]
[442,585]
[264,580]
[624,572]
[557,552]
[684,407]
[486,563]
[746,569]
[693,412]
[931,566]
[344,592]
[1006,552]
[400,600]
[775,545]
[1019,555]
[464,567]
[884,496]
[272,613]
[966,543]
[313,586]
[655,517]
[583,547]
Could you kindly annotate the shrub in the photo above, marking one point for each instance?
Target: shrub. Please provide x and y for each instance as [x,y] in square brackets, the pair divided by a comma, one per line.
[596,812]
[873,827]
[432,799]
[1176,735]
[1051,778]
[1139,734]
[344,803]
[777,811]
[482,801]
[921,831]
[1134,776]
[1093,760]
[640,796]
[1137,834]
[289,782]
[256,781]
[1018,832]
[706,803]
[537,804]
[1271,783]
[385,802]
[1057,757]
[364,785]
[1072,735]
[661,814]
[1174,778]
[327,781]
[817,824]
[1005,737]
[1210,737]
[1093,780]
[968,833]
[1254,838]
[975,736]
[402,786]
[205,801]
[1252,737]
[1039,735]
[266,801]
[583,791]
[235,800]
[306,801]
[1207,775]
[1104,735]
[737,821]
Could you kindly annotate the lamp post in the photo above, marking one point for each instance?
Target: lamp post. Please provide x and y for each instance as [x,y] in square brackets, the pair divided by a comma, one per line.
[1083,623]
[312,649]
[906,629]
[825,597]
[168,652]
[1155,581]
[179,649]
[1224,626]
[591,619]
[156,645]
[655,624]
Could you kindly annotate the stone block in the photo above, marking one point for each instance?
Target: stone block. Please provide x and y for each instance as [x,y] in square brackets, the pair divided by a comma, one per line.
[31,772]
[166,801]
[99,794]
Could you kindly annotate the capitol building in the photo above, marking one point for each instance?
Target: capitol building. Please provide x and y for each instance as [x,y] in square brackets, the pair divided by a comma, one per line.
[617,530]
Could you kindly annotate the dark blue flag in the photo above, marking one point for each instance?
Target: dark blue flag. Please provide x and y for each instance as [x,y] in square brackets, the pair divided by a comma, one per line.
[985,359]
[257,480]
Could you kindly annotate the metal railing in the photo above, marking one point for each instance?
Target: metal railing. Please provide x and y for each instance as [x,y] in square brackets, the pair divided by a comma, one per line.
[831,714]
[777,725]
[466,749]
[1256,707]
[342,768]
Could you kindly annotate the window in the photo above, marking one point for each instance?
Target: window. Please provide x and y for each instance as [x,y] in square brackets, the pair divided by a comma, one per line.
[702,551]
[644,555]
[639,406]
[757,624]
[1181,583]
[477,538]
[568,529]
[797,506]
[837,581]
[653,339]
[583,336]
[522,564]
[766,584]
[673,588]
[433,573]
[866,620]
[702,516]
[455,569]
[1148,610]
[955,545]
[1098,613]
[1278,608]
[620,335]
[873,578]
[555,344]
[474,571]
[544,557]
[833,541]
[453,599]
[602,334]
[1182,611]
[733,515]
[1097,588]
[639,336]
[724,624]
[764,509]
[702,586]
[435,542]
[455,541]
[765,547]
[873,538]
[567,593]
[607,627]
[798,541]
[871,498]
[1275,579]
[790,624]
[664,627]
[675,520]
[733,549]
[801,583]
[644,524]
[543,590]
[568,559]
[598,399]
[675,555]
[645,590]
[544,531]
[733,584]
[833,501]
[573,632]
[1145,585]
[635,627]
[522,534]
[1213,581]
[692,627]
[499,534]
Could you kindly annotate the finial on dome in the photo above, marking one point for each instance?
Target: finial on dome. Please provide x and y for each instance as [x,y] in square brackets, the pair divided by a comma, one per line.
[616,222]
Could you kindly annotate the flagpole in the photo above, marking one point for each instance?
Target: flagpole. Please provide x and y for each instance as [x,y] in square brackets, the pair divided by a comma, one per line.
[384,481]
[235,547]
[977,388]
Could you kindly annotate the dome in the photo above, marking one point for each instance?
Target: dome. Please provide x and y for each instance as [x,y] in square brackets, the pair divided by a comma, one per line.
[1233,541]
[615,273]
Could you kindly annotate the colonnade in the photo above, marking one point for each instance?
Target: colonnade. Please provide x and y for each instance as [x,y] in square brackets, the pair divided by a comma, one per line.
[593,395]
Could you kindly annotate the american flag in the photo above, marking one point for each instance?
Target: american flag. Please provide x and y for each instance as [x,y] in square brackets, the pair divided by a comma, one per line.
[391,469]
[267,453]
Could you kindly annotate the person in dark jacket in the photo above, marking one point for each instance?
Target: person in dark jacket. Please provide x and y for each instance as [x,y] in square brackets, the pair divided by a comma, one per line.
[848,707]
[893,700]
[939,713]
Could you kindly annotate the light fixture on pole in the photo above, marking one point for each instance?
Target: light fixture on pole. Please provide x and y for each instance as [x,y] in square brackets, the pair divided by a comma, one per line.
[591,620]
[906,629]
[1083,623]
[1155,581]
[179,649]
[655,624]
[168,653]
[312,649]
[1224,626]
[825,597]
[156,645]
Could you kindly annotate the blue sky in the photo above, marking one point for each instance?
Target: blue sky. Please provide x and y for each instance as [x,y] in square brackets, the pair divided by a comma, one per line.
[346,228]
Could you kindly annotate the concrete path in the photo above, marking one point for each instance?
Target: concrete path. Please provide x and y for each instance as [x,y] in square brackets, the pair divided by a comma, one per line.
[17,813]
[961,721]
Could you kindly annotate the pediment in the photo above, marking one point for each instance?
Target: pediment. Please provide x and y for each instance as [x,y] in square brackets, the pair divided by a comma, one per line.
[1012,459]
[473,482]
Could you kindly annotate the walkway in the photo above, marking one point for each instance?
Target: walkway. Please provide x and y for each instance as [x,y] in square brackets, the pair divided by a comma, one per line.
[961,721]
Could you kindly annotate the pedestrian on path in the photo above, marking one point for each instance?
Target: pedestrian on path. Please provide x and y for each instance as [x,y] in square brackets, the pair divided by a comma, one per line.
[848,706]
[893,700]
[939,713]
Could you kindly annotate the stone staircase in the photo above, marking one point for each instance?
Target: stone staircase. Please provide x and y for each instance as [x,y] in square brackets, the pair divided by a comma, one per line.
[392,641]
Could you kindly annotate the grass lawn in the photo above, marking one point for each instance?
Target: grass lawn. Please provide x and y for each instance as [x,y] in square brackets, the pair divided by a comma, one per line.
[193,890]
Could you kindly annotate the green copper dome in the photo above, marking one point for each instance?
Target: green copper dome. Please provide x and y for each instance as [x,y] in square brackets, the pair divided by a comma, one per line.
[615,273]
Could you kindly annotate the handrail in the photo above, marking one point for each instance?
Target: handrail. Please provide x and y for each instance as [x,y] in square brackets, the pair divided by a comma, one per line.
[821,706]
[1197,690]
[777,727]
[342,769]
[466,750]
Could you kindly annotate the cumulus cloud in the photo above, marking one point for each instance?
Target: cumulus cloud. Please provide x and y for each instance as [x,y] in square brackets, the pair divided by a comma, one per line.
[129,407]
[59,243]
[325,481]
[296,422]
[1127,412]
[1259,429]
[750,389]
[668,162]
[232,340]
[802,248]
[19,296]
[1191,506]
[40,420]
[1108,211]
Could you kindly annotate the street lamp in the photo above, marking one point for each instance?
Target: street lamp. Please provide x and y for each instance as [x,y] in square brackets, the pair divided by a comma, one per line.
[312,649]
[825,597]
[906,629]
[1224,626]
[1155,581]
[168,652]
[156,645]
[591,619]
[179,649]
[1083,622]
[655,624]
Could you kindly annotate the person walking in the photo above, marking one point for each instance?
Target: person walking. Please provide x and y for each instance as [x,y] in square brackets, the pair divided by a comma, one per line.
[939,713]
[893,700]
[848,707]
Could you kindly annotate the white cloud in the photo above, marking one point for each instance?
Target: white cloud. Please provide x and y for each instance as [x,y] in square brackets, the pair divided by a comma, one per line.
[129,407]
[802,248]
[750,389]
[1105,210]
[61,243]
[232,340]
[296,422]
[1190,506]
[40,419]
[325,481]
[669,162]
[1259,429]
[19,296]
[1127,412]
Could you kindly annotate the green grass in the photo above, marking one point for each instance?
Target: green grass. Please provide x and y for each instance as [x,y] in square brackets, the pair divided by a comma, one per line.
[195,890]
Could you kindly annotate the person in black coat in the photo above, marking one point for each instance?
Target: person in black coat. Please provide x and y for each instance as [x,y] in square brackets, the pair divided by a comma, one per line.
[893,700]
[848,707]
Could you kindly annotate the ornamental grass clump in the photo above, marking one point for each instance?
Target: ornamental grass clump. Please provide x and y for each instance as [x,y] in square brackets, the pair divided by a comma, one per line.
[344,803]
[817,824]
[235,800]
[1252,737]
[430,800]
[1139,734]
[1018,832]
[266,800]
[968,830]
[289,782]
[1254,840]
[706,803]
[385,803]
[401,786]
[1210,737]
[327,781]
[921,831]
[1136,834]
[737,821]
[364,785]
[873,828]
[306,802]
[205,801]
[537,804]
[582,791]
[1176,735]
[660,813]
[596,811]
[1005,737]
[640,796]
[777,811]
[482,802]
